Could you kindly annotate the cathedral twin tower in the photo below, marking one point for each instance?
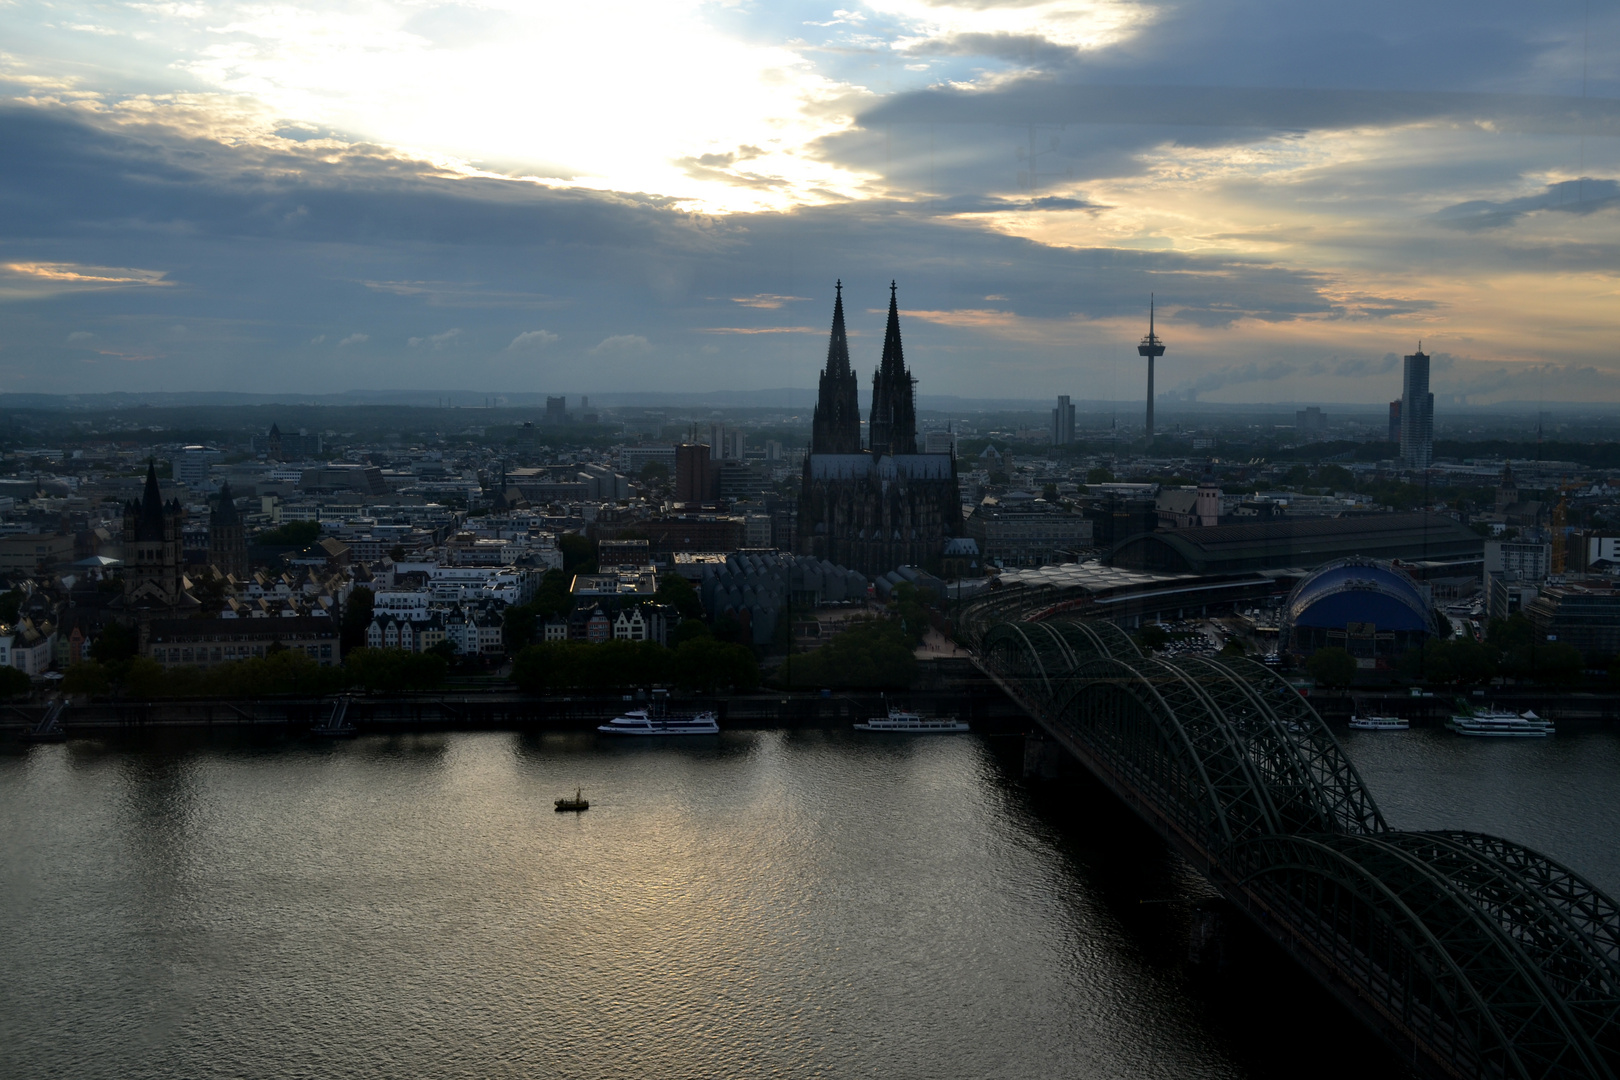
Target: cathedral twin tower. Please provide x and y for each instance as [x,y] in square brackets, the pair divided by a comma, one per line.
[836,427]
[876,508]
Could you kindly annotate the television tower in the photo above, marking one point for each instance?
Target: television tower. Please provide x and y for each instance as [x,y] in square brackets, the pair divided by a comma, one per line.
[1151,348]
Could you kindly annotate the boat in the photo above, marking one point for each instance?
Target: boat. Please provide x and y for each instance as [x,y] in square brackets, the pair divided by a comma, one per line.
[578,802]
[1379,723]
[656,719]
[1500,723]
[906,721]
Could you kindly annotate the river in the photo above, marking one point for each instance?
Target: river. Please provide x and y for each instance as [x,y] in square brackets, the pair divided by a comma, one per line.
[773,903]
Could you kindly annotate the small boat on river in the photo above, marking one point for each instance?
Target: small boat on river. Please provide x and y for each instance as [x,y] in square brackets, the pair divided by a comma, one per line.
[578,802]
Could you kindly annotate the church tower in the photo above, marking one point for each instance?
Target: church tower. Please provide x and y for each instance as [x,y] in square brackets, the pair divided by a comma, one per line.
[836,425]
[154,559]
[893,425]
[227,542]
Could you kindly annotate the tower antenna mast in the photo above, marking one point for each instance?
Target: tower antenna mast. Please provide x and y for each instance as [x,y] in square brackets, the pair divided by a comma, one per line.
[1152,348]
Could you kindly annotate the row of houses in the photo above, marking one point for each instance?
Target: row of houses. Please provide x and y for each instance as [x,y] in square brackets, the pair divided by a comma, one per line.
[473,629]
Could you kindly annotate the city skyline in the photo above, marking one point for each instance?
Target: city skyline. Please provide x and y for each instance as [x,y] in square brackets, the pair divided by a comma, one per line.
[328,199]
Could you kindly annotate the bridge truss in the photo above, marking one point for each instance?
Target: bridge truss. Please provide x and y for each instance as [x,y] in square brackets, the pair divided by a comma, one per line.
[1469,953]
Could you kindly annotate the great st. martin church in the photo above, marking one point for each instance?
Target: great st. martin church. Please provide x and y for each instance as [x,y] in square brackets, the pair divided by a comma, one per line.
[886,506]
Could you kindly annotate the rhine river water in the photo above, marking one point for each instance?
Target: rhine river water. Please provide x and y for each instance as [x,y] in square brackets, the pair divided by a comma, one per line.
[773,903]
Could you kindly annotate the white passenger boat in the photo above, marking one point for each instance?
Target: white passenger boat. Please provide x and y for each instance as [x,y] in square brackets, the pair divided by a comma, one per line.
[902,720]
[1501,724]
[656,719]
[1379,723]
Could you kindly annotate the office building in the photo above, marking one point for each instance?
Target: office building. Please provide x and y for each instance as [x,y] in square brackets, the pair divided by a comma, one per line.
[1063,422]
[1417,413]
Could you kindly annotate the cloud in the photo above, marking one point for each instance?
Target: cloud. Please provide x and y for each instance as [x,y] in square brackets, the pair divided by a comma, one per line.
[620,345]
[356,339]
[1583,196]
[533,340]
[80,335]
[435,341]
[26,280]
[760,330]
[769,301]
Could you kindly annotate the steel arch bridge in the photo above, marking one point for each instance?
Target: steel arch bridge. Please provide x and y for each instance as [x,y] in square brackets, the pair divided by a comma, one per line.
[1468,953]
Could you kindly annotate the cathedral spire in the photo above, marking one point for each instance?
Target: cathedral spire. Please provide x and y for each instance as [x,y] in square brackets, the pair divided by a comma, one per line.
[835,427]
[894,411]
[838,342]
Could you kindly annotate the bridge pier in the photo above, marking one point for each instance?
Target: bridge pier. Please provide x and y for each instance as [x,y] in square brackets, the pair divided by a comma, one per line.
[1044,758]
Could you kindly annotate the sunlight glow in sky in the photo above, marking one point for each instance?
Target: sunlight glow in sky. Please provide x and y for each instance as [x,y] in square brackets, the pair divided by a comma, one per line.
[1308,190]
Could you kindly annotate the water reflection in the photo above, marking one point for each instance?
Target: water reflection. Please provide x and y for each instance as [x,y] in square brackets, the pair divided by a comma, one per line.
[761,903]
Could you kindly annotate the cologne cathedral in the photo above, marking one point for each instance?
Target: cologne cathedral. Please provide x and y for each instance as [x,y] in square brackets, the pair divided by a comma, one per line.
[884,506]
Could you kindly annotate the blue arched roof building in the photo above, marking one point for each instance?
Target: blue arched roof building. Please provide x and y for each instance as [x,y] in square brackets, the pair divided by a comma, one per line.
[1369,607]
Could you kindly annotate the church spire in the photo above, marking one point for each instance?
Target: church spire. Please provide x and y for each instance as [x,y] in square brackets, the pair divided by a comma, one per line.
[835,427]
[894,410]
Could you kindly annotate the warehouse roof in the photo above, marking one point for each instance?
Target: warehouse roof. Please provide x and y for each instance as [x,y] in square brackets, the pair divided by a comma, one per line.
[1307,542]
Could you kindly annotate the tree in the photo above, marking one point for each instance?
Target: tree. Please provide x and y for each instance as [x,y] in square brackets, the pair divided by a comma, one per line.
[675,590]
[906,604]
[868,654]
[144,678]
[1050,493]
[1336,477]
[14,683]
[292,534]
[728,629]
[117,641]
[87,677]
[708,665]
[10,606]
[1099,475]
[689,630]
[579,554]
[1332,667]
[395,669]
[1152,636]
[357,615]
[518,623]
[552,597]
[654,472]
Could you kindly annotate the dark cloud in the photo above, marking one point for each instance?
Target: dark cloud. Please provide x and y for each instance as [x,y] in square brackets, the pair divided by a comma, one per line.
[1584,196]
[1038,100]
[278,253]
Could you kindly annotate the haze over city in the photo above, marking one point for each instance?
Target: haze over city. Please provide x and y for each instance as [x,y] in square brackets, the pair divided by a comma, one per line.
[585,198]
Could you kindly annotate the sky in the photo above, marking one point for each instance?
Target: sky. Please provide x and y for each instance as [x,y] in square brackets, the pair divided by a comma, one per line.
[620,196]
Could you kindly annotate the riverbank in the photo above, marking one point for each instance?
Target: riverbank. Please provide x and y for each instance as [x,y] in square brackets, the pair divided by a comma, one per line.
[980,703]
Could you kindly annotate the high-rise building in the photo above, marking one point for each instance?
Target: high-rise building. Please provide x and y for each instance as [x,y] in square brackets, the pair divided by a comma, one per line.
[696,475]
[1063,421]
[191,465]
[1310,423]
[557,410]
[1417,412]
[939,442]
[1395,421]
